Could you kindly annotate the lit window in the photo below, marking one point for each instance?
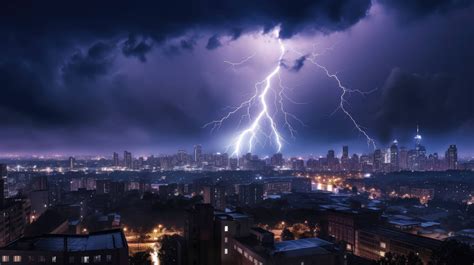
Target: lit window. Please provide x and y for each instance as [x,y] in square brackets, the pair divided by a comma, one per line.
[302,263]
[42,259]
[16,258]
[382,253]
[5,258]
[85,259]
[383,245]
[226,228]
[226,251]
[108,258]
[225,239]
[97,258]
[53,259]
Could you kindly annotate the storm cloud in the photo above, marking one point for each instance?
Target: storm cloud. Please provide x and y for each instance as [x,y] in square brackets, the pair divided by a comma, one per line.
[59,63]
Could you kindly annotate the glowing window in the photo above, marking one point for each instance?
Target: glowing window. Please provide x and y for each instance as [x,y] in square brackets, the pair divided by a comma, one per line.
[16,258]
[226,228]
[383,245]
[226,251]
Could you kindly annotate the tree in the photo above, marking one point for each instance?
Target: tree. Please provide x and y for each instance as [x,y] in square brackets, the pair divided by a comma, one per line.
[170,249]
[140,258]
[287,235]
[452,252]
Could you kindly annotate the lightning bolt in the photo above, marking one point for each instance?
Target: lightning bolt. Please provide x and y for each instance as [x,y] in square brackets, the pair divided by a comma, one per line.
[244,60]
[247,138]
[345,91]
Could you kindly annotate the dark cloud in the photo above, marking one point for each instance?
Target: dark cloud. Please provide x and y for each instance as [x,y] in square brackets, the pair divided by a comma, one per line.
[135,47]
[213,42]
[420,8]
[438,102]
[298,63]
[188,44]
[57,59]
[95,62]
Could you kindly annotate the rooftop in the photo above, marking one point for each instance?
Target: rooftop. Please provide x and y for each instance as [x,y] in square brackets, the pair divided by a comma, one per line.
[111,239]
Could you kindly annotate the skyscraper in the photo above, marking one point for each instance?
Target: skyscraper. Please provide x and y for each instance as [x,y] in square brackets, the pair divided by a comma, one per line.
[345,151]
[451,157]
[127,158]
[250,194]
[116,161]
[378,160]
[4,176]
[198,154]
[72,162]
[394,156]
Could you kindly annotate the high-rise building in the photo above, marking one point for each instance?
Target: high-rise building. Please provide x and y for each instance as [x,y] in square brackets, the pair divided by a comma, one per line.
[345,151]
[394,156]
[277,160]
[14,216]
[378,160]
[451,157]
[215,195]
[4,177]
[403,159]
[199,235]
[250,194]
[345,161]
[116,161]
[72,162]
[198,154]
[127,158]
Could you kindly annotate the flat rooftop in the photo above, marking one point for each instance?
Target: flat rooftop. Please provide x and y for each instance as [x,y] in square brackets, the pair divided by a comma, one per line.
[305,243]
[112,239]
[414,240]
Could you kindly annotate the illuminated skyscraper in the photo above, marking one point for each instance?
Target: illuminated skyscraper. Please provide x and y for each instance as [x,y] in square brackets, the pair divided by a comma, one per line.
[198,154]
[72,162]
[394,156]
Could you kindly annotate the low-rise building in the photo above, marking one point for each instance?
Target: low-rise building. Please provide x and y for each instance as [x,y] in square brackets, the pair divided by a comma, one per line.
[105,247]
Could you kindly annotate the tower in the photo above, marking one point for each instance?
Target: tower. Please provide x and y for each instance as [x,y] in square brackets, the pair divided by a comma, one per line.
[451,157]
[394,156]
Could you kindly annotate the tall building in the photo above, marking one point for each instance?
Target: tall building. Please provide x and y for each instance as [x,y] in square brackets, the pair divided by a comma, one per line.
[403,159]
[331,160]
[14,216]
[345,161]
[345,151]
[116,161]
[250,194]
[199,235]
[72,162]
[198,154]
[215,195]
[4,177]
[394,157]
[127,158]
[451,157]
[277,160]
[378,160]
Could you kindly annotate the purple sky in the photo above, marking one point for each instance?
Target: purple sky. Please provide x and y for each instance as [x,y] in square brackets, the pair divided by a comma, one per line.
[147,80]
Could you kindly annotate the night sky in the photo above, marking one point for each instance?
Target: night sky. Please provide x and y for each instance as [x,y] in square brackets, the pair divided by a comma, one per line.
[93,77]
